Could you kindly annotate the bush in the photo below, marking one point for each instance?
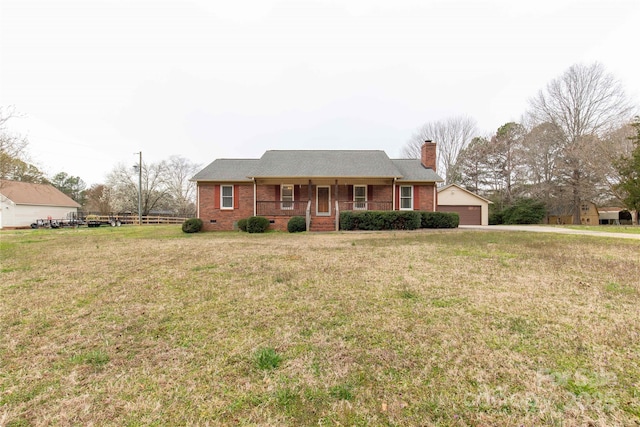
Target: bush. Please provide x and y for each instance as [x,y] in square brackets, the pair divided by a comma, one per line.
[242,224]
[524,211]
[440,220]
[380,220]
[257,224]
[496,218]
[192,225]
[297,224]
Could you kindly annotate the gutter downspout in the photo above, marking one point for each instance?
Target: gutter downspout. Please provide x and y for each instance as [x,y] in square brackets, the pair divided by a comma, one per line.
[255,192]
[197,200]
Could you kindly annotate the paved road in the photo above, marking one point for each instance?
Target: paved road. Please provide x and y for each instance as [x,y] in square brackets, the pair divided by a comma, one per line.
[548,229]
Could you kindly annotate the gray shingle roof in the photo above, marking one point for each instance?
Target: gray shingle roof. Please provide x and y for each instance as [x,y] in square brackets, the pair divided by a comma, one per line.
[412,170]
[316,164]
[325,163]
[227,170]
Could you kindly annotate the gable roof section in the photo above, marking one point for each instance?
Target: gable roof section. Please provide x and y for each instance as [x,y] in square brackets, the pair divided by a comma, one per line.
[235,170]
[317,164]
[325,163]
[441,189]
[413,170]
[26,193]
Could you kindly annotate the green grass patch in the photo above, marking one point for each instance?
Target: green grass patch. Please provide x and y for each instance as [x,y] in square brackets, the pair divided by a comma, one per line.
[342,392]
[95,358]
[266,358]
[620,289]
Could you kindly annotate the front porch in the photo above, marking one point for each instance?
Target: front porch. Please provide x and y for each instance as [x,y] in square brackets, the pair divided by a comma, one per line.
[322,216]
[320,201]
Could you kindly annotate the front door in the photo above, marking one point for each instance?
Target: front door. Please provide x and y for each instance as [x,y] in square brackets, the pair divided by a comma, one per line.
[323,201]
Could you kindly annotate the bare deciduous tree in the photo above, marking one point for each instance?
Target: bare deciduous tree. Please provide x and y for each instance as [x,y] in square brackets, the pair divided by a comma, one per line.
[13,151]
[452,136]
[99,200]
[123,185]
[542,157]
[585,103]
[182,191]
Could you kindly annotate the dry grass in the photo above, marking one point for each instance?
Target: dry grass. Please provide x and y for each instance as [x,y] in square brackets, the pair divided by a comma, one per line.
[149,326]
[628,229]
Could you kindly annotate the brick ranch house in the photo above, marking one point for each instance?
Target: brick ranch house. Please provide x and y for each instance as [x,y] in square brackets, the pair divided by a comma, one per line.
[315,184]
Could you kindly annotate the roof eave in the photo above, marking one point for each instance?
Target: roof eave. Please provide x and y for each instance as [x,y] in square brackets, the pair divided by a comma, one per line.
[325,177]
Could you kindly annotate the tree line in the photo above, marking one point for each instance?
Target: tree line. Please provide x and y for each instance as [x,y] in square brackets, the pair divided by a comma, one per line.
[574,144]
[165,185]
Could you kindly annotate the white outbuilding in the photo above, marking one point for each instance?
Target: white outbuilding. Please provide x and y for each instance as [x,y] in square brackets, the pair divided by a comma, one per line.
[472,209]
[22,203]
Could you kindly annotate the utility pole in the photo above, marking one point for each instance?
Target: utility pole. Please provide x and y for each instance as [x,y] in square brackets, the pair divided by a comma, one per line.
[139,167]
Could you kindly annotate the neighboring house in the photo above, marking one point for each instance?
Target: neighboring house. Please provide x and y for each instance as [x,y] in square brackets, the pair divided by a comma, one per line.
[588,215]
[315,184]
[616,215]
[472,209]
[22,203]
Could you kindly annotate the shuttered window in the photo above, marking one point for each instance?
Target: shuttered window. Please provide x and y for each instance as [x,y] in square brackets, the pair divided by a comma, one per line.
[226,196]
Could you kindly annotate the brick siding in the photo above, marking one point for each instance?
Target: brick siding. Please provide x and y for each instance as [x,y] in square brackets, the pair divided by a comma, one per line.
[216,219]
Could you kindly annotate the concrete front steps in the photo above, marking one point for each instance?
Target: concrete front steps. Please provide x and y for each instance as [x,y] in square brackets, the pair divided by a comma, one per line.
[322,224]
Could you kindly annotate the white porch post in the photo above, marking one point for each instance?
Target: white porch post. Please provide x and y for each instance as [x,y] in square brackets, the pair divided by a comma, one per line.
[255,202]
[393,195]
[435,197]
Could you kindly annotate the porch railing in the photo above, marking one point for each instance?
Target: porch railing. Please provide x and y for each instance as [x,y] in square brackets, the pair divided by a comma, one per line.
[281,208]
[303,208]
[366,206]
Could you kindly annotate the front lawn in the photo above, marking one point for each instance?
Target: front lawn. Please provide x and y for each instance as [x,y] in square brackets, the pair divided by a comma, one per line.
[151,326]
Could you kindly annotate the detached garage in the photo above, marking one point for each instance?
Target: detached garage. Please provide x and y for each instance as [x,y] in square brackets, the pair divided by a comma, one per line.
[21,203]
[472,209]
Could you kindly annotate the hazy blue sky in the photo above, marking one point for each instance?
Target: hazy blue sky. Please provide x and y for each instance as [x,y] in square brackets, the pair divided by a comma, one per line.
[99,80]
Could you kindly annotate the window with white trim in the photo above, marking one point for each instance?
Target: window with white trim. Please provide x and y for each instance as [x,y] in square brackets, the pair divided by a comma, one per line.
[359,197]
[286,196]
[406,197]
[226,197]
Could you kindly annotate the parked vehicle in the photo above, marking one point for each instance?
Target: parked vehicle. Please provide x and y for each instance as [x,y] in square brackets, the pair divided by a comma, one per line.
[75,220]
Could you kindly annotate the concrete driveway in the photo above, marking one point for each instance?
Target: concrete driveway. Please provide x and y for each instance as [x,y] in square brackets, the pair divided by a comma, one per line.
[549,229]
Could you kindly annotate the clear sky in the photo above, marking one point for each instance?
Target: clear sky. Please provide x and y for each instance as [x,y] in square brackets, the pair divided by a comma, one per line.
[100,80]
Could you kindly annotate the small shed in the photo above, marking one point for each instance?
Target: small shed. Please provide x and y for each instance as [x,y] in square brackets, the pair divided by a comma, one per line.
[21,203]
[472,209]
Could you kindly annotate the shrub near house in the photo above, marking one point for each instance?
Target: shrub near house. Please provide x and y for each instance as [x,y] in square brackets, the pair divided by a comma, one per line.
[408,220]
[192,225]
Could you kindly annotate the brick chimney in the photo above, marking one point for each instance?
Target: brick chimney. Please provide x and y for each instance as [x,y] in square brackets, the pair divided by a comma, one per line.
[428,155]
